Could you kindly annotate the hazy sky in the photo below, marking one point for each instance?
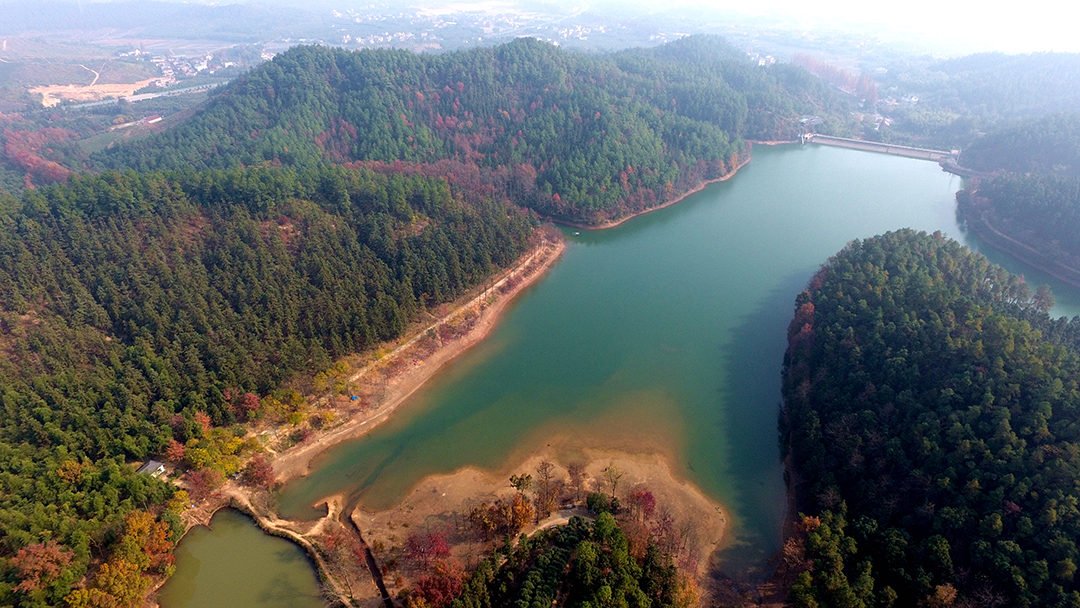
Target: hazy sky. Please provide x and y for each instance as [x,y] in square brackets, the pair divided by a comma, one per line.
[1031,25]
[951,26]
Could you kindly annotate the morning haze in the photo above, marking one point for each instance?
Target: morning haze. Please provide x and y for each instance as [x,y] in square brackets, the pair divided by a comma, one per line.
[501,303]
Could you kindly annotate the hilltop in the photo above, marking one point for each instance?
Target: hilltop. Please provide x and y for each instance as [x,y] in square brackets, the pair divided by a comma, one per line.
[580,137]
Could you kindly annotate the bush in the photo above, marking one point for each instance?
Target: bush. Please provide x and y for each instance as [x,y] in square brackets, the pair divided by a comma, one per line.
[598,502]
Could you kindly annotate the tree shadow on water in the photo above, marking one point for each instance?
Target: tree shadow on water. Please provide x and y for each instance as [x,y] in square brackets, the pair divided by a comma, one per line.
[752,363]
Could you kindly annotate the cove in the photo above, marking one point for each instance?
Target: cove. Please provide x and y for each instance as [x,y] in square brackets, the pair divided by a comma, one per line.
[233,563]
[663,334]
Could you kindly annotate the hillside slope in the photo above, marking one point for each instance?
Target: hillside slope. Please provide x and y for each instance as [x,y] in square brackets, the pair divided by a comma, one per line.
[594,137]
[136,308]
[1031,207]
[932,422]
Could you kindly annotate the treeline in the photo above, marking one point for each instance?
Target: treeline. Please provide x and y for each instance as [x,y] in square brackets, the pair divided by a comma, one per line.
[1045,145]
[578,564]
[604,135]
[133,306]
[992,85]
[932,426]
[960,98]
[1035,196]
[861,86]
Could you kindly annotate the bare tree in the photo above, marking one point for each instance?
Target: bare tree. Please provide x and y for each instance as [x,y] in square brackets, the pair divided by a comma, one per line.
[545,498]
[612,475]
[577,478]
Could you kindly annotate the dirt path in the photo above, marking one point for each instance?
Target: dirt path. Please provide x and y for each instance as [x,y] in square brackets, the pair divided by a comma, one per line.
[981,223]
[96,75]
[295,462]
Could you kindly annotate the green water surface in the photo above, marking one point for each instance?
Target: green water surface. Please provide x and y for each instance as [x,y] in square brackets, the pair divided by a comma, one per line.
[233,564]
[666,332]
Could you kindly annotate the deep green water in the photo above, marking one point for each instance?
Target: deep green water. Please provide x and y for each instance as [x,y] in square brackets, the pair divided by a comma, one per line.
[666,332]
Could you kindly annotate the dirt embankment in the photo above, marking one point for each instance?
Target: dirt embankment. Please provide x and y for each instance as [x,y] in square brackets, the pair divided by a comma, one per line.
[980,219]
[258,506]
[391,379]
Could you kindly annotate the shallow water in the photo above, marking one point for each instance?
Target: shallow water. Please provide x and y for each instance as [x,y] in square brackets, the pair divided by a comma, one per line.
[235,564]
[663,334]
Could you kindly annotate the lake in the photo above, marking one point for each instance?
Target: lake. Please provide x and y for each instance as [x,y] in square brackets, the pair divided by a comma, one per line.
[663,334]
[233,563]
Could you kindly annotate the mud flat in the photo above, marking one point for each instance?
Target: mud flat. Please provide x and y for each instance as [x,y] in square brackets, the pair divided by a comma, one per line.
[442,503]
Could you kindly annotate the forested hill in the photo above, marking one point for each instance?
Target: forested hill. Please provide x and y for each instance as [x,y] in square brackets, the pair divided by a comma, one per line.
[947,103]
[600,136]
[932,420]
[131,305]
[1046,145]
[990,86]
[1035,198]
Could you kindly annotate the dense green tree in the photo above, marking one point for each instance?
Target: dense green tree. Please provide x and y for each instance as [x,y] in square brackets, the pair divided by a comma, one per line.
[1044,145]
[1031,206]
[948,103]
[933,406]
[132,304]
[602,135]
[586,564]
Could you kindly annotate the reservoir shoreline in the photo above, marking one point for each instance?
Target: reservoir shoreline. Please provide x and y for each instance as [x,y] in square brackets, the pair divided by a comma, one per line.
[678,199]
[669,330]
[979,222]
[295,462]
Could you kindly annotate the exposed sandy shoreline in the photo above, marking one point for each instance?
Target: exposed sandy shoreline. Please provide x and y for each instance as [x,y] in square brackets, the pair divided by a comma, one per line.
[295,462]
[446,499]
[613,223]
[442,503]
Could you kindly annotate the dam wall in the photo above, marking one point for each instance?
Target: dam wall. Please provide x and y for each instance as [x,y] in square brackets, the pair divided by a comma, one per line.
[873,146]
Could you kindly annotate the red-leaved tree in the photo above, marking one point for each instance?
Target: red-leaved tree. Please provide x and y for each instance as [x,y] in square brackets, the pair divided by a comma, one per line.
[201,483]
[39,563]
[642,502]
[259,472]
[175,451]
[426,547]
[249,404]
[444,584]
[203,420]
